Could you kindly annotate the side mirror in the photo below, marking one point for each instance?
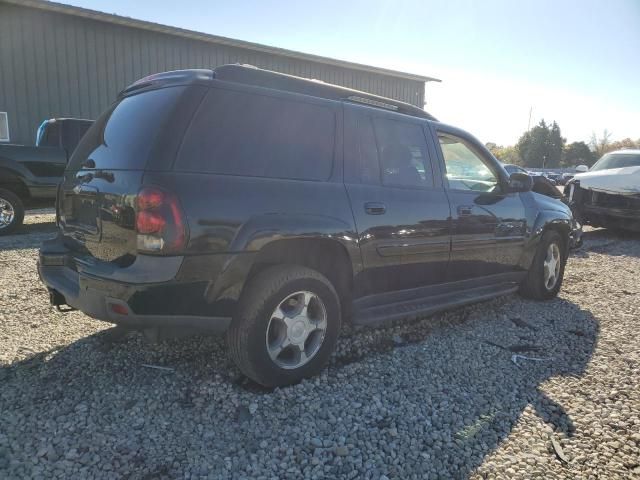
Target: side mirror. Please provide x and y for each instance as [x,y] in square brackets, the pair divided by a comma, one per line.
[582,168]
[520,182]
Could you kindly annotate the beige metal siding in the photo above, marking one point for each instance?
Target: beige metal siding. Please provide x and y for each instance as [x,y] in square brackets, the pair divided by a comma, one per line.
[57,65]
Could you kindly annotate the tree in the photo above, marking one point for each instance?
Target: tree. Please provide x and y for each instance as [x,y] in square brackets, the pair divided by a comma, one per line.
[507,155]
[624,143]
[577,153]
[541,146]
[600,146]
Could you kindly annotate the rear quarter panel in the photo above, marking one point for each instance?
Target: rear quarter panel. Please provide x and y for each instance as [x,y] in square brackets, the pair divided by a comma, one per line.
[233,214]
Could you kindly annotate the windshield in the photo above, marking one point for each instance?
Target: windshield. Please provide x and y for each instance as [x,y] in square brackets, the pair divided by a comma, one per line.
[617,160]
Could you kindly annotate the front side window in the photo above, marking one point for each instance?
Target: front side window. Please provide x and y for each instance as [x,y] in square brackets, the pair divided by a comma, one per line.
[466,169]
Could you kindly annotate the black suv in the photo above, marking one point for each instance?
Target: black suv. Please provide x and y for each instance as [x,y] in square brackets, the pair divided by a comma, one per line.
[274,208]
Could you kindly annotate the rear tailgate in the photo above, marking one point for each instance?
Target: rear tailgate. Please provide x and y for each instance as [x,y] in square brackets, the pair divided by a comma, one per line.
[97,198]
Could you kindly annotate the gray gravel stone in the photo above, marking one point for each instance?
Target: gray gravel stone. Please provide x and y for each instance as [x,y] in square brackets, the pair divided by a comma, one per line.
[434,398]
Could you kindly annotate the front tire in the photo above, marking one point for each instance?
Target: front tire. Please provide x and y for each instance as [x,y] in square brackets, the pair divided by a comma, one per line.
[544,279]
[286,326]
[11,211]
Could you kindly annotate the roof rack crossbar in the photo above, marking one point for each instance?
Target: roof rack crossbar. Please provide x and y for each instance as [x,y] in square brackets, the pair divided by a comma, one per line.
[371,102]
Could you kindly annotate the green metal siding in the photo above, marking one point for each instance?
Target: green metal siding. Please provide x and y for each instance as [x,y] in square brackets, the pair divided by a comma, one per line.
[57,65]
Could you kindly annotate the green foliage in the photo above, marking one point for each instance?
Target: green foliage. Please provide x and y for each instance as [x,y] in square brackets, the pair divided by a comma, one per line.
[578,153]
[541,146]
[507,155]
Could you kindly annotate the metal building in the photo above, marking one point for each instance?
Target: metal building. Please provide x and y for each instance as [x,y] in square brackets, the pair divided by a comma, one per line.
[62,61]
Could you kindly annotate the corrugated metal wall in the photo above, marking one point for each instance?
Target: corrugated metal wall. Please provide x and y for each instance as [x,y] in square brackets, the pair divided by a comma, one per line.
[56,65]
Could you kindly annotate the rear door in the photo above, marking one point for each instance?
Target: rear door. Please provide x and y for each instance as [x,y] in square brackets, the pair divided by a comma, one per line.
[102,179]
[488,224]
[398,201]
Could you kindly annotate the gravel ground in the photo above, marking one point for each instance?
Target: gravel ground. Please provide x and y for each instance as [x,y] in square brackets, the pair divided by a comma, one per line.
[437,398]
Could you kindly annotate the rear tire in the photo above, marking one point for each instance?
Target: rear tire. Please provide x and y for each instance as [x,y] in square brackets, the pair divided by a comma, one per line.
[272,312]
[544,279]
[11,211]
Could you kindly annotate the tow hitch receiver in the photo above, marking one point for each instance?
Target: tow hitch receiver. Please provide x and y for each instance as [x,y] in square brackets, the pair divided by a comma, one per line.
[57,300]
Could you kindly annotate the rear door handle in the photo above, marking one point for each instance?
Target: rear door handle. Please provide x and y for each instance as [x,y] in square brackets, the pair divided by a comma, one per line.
[465,210]
[375,208]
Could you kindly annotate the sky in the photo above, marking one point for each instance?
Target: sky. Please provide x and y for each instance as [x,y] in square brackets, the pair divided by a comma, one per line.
[575,62]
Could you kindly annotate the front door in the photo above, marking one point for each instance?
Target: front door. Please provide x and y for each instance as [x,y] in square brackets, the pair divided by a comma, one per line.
[399,205]
[488,223]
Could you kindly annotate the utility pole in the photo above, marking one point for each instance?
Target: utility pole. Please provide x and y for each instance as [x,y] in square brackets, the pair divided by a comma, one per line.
[529,124]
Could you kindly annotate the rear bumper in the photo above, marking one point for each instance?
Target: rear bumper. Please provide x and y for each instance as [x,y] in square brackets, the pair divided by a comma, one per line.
[144,295]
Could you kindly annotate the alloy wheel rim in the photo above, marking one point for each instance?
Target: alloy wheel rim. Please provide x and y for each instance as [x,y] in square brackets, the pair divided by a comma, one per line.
[296,330]
[552,266]
[7,213]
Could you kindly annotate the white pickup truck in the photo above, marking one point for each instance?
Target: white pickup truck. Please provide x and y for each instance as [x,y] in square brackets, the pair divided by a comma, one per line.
[608,195]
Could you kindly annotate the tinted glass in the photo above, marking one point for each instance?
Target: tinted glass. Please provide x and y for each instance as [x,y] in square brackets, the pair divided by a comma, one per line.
[361,161]
[72,132]
[617,160]
[403,153]
[123,136]
[466,169]
[240,133]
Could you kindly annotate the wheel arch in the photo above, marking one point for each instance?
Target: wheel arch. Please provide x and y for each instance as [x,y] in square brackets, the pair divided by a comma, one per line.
[324,255]
[546,221]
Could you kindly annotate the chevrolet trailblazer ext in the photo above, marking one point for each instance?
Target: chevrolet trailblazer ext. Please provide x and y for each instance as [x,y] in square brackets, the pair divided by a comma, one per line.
[274,208]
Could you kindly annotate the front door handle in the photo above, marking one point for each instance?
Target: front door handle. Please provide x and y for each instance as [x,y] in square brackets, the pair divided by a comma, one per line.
[465,210]
[375,208]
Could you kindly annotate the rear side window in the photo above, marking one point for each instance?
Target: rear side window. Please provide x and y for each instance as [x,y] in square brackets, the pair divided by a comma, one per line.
[403,153]
[239,133]
[388,152]
[362,164]
[123,136]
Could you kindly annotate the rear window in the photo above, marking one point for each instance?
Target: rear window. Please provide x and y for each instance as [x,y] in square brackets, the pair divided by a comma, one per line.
[239,133]
[123,136]
[48,134]
[72,132]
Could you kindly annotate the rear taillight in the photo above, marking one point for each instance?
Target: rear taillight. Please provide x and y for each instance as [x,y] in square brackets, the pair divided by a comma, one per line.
[160,222]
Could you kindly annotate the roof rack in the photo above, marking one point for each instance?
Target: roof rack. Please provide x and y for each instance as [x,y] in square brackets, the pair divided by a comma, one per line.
[251,75]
